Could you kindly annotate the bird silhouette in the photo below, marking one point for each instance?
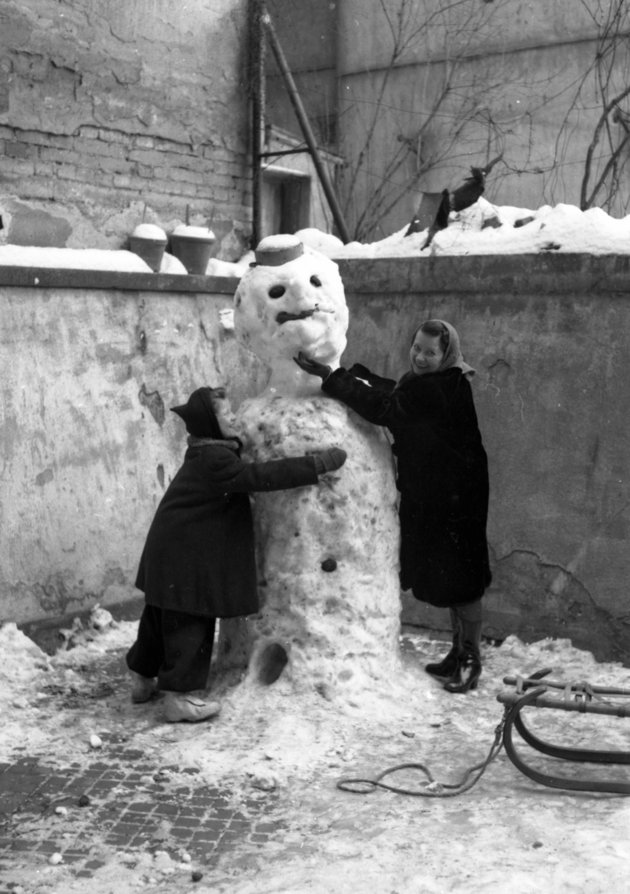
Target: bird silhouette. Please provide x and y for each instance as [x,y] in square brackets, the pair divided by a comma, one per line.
[457,200]
[470,190]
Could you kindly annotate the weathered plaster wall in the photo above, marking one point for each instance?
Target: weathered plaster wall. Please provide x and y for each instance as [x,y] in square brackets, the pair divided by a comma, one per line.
[87,442]
[111,112]
[88,445]
[550,339]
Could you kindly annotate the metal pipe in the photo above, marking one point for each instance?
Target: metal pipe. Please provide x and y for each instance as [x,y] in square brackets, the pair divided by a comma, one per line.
[309,137]
[257,62]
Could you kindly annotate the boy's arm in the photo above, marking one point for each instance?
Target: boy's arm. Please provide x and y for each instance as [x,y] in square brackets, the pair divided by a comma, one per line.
[232,475]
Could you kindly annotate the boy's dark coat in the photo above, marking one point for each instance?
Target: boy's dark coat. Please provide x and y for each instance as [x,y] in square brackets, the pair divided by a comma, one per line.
[442,474]
[199,553]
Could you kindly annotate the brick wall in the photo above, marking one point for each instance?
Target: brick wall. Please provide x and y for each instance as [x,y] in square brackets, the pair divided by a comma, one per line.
[111,115]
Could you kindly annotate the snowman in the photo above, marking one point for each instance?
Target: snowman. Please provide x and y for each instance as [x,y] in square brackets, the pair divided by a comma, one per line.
[327,555]
[290,298]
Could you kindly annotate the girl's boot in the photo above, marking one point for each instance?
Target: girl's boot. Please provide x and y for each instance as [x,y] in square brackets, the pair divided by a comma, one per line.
[469,670]
[448,666]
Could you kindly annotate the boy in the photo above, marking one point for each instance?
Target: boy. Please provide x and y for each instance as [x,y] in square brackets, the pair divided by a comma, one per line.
[198,560]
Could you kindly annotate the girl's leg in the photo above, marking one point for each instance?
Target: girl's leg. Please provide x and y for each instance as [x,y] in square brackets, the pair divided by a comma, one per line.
[469,670]
[449,665]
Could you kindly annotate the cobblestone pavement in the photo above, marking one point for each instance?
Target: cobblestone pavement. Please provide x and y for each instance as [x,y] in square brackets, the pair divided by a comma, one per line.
[120,801]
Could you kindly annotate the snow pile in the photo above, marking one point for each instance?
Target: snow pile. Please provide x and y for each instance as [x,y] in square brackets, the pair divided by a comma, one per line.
[72,258]
[150,231]
[29,677]
[217,267]
[482,229]
[24,662]
[485,229]
[189,232]
[83,259]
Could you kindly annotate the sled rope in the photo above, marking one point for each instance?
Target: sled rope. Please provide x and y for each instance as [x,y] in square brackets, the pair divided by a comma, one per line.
[433,788]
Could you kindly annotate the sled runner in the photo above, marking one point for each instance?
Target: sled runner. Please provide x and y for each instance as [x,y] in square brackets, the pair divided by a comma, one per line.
[582,697]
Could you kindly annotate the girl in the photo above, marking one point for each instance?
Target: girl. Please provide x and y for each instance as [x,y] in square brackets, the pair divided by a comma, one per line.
[442,476]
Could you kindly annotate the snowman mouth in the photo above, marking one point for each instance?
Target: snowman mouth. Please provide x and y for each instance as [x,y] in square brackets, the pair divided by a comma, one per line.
[285,317]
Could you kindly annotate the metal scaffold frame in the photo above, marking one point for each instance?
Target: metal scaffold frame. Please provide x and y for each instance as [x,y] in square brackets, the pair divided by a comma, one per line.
[263,33]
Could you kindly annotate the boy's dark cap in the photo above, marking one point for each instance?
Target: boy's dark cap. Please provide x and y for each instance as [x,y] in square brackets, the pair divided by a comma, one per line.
[198,414]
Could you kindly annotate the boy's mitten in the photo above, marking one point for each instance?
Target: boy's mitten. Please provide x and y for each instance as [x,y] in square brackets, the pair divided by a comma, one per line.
[329,460]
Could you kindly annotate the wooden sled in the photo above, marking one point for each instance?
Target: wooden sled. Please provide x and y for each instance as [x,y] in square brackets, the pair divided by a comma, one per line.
[584,698]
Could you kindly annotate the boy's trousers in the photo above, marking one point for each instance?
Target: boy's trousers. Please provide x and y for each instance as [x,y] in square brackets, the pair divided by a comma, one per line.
[174,647]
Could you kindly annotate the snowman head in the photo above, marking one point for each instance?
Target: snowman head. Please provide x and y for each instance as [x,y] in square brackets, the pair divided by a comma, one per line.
[292,299]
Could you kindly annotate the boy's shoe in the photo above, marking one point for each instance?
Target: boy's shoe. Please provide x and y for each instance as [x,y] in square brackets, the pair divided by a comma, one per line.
[142,689]
[188,706]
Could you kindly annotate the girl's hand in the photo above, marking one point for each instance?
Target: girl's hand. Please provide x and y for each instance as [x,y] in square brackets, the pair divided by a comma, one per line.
[312,366]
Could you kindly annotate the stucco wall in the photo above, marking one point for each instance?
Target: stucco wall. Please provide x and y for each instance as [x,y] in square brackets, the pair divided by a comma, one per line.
[111,112]
[550,339]
[88,445]
[87,441]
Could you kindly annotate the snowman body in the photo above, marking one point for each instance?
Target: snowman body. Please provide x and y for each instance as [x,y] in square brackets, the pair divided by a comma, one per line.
[327,554]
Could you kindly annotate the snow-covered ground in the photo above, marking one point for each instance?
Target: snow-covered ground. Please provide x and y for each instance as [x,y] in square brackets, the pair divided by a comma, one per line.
[507,834]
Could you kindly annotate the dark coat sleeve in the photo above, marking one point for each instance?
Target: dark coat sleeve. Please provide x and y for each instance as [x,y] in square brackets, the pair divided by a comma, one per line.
[379,382]
[434,424]
[400,407]
[227,473]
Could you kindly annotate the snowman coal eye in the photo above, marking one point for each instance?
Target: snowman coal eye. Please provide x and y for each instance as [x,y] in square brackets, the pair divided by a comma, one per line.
[316,281]
[276,291]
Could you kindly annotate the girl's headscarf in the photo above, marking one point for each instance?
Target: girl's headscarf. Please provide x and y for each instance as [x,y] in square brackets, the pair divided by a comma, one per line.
[453,353]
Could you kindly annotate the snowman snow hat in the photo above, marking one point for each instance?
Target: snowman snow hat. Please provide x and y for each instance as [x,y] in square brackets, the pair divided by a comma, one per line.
[291,299]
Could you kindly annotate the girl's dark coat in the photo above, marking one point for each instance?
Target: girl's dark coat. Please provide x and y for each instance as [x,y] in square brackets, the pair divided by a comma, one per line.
[442,475]
[199,554]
